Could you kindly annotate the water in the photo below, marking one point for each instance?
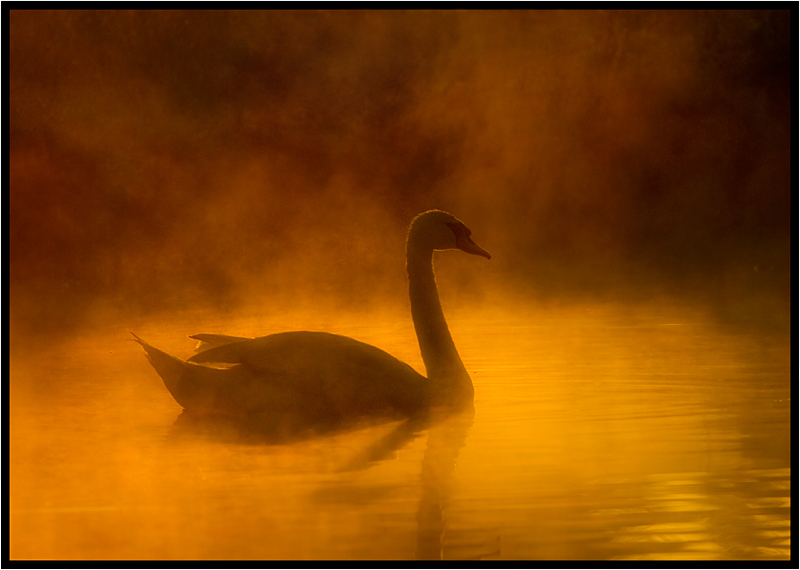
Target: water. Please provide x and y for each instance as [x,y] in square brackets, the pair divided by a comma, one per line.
[598,433]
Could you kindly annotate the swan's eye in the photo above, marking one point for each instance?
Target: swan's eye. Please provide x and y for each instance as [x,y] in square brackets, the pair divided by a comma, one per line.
[460,230]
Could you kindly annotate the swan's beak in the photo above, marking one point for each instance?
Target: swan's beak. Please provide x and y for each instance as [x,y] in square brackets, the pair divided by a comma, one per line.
[465,243]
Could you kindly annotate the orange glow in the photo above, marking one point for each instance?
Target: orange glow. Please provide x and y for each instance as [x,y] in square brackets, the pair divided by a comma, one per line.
[640,432]
[248,173]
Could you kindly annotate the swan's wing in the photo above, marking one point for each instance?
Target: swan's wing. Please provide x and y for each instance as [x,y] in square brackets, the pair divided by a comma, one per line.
[301,352]
[207,341]
[288,359]
[234,352]
[325,370]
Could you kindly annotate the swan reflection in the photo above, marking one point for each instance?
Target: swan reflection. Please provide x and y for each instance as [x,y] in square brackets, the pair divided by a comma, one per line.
[446,433]
[262,429]
[445,441]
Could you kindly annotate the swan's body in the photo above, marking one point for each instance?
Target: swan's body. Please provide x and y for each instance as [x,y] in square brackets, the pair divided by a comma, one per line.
[301,379]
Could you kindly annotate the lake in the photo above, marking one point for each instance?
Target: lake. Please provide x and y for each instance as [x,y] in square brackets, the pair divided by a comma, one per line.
[599,432]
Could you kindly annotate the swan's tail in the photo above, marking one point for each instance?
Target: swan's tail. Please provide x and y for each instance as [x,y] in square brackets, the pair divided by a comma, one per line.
[170,368]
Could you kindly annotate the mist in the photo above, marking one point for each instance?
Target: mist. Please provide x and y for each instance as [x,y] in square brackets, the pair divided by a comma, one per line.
[623,362]
[164,160]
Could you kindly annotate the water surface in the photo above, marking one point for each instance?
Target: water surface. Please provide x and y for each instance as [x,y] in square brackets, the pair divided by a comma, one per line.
[599,432]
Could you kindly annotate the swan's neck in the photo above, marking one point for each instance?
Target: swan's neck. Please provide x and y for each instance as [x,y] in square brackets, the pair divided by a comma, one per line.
[442,362]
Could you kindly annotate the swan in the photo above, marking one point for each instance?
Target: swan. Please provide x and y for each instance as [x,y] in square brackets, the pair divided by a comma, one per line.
[298,379]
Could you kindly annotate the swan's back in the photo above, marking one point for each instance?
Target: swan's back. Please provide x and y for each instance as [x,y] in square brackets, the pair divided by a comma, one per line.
[315,377]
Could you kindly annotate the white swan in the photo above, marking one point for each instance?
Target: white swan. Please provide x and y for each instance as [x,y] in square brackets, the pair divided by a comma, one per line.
[300,379]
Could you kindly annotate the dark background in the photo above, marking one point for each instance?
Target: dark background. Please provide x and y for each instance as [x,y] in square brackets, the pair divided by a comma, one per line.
[167,159]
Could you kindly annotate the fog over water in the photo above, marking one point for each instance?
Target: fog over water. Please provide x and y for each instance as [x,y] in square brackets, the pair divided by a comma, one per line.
[182,172]
[165,159]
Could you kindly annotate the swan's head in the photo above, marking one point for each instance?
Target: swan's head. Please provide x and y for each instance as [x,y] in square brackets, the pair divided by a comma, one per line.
[436,229]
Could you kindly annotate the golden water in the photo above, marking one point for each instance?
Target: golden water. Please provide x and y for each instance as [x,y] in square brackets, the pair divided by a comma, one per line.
[598,433]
